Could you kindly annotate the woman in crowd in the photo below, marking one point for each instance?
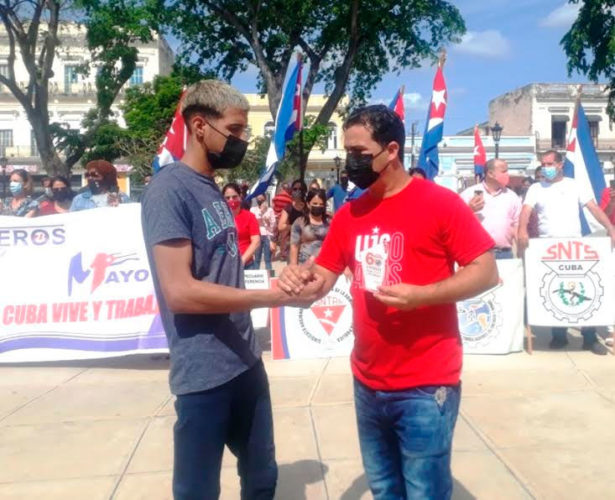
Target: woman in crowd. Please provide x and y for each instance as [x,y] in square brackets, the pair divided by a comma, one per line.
[248,233]
[20,203]
[266,219]
[102,189]
[308,232]
[61,197]
[293,210]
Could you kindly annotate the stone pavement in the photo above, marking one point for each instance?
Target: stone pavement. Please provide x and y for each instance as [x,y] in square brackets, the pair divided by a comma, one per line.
[536,426]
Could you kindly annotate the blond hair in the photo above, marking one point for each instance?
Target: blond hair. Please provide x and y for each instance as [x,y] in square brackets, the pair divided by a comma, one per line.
[212,98]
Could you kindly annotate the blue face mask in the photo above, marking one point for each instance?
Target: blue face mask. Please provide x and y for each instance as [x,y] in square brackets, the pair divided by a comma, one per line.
[15,187]
[550,173]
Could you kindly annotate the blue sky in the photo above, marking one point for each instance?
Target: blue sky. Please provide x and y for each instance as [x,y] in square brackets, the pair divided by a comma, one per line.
[508,44]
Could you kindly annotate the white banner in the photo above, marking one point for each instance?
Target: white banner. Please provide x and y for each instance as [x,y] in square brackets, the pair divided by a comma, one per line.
[570,282]
[321,331]
[492,323]
[258,280]
[76,286]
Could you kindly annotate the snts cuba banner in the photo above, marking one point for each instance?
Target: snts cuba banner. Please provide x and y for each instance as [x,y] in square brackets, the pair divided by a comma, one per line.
[76,286]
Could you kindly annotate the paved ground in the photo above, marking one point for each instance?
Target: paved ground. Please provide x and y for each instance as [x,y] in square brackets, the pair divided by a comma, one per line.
[536,426]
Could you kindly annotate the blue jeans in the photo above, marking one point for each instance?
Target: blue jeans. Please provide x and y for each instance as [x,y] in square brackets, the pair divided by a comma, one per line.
[263,250]
[504,253]
[406,439]
[236,414]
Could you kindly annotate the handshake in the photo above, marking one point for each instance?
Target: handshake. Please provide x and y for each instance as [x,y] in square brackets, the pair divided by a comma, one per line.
[300,285]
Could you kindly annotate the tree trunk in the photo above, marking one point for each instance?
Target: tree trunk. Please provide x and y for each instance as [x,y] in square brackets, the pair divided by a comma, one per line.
[50,161]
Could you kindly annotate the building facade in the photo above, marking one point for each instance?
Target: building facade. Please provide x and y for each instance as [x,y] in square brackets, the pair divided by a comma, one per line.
[544,111]
[71,94]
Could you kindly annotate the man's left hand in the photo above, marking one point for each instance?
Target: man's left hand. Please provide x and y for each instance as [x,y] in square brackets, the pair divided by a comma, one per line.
[401,296]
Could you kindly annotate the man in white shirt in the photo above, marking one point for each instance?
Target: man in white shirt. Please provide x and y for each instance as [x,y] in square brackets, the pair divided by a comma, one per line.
[497,207]
[556,201]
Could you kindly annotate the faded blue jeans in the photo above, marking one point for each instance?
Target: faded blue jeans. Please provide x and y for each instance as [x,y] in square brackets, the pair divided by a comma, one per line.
[406,438]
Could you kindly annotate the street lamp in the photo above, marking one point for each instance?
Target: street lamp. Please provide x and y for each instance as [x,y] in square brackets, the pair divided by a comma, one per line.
[496,131]
[338,164]
[3,163]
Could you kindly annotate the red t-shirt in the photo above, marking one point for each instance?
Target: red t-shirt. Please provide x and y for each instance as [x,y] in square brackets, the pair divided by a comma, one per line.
[426,229]
[604,202]
[47,208]
[247,226]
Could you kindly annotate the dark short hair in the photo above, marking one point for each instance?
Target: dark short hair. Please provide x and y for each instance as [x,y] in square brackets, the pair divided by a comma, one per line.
[383,123]
[234,186]
[556,154]
[418,170]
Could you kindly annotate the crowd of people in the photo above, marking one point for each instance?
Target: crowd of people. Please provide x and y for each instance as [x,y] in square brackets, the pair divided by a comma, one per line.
[102,190]
[407,274]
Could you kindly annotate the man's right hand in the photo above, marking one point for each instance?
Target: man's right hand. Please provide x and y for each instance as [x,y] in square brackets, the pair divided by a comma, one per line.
[295,277]
[477,203]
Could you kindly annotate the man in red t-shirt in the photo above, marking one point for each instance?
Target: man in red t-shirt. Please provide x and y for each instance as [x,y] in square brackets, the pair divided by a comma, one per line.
[401,240]
[607,202]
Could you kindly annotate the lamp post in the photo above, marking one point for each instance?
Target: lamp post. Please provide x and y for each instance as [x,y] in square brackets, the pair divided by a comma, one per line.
[496,131]
[3,163]
[338,164]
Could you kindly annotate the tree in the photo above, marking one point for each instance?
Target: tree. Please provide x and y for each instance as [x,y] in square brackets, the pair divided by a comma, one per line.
[590,44]
[113,29]
[32,34]
[349,44]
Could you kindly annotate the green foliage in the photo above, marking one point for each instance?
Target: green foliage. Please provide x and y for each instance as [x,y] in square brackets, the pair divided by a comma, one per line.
[348,44]
[590,44]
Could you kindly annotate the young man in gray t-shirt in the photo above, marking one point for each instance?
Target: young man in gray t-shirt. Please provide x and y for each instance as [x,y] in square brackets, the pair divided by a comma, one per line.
[216,370]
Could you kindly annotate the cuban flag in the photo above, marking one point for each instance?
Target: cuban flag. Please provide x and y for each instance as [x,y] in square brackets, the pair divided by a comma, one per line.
[428,157]
[480,157]
[288,121]
[397,104]
[174,144]
[582,165]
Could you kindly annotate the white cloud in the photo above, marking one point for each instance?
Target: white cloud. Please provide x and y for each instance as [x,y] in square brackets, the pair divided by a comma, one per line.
[562,17]
[413,100]
[489,43]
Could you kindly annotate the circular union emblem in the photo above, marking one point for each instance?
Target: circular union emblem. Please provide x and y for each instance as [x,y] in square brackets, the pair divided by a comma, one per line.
[328,322]
[571,298]
[479,320]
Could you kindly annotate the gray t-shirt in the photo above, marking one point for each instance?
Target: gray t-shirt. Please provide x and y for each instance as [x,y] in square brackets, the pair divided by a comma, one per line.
[207,350]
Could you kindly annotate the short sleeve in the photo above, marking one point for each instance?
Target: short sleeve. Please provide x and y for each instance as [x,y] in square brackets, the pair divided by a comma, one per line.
[531,197]
[295,232]
[332,254]
[605,198]
[164,215]
[463,236]
[585,196]
[253,225]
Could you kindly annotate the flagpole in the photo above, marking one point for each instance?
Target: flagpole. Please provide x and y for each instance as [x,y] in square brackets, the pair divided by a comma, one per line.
[302,166]
[442,58]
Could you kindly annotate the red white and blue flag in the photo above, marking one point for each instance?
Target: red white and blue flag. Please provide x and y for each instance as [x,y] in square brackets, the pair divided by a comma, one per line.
[480,157]
[288,121]
[174,144]
[397,104]
[434,129]
[582,165]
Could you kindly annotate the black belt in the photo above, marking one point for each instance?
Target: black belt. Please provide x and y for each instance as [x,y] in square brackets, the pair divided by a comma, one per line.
[499,249]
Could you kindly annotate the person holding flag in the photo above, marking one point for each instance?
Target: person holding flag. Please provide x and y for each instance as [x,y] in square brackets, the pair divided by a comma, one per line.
[434,129]
[217,372]
[556,201]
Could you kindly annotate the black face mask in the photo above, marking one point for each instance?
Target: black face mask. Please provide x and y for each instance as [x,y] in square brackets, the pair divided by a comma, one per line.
[95,187]
[317,211]
[231,155]
[359,168]
[344,182]
[60,194]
